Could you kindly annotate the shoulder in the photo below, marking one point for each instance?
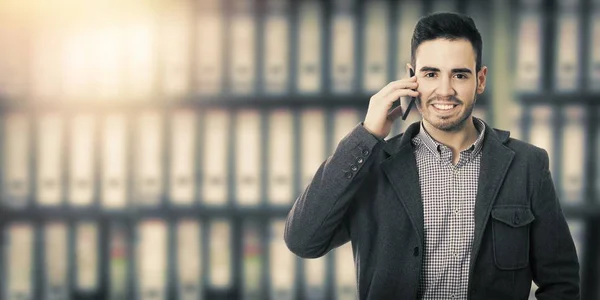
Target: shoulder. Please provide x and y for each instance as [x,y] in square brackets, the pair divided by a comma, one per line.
[532,154]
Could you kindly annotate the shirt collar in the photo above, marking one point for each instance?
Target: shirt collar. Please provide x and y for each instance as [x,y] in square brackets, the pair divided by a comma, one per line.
[424,138]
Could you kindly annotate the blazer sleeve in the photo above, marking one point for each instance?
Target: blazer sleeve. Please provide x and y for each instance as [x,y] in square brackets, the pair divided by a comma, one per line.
[315,224]
[554,263]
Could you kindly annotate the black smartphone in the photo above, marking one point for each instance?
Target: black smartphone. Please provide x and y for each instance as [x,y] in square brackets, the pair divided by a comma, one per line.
[412,99]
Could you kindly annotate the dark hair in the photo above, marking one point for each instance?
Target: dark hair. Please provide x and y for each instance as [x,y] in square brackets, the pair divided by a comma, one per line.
[446,25]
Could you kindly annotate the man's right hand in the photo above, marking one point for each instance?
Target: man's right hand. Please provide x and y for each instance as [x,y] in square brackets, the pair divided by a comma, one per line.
[379,118]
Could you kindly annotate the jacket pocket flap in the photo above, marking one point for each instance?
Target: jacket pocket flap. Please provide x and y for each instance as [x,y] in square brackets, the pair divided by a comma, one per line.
[513,216]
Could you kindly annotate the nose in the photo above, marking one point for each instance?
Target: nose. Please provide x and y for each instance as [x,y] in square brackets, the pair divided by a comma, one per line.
[445,88]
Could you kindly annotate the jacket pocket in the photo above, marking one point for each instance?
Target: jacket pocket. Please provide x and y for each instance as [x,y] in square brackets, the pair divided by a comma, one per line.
[510,229]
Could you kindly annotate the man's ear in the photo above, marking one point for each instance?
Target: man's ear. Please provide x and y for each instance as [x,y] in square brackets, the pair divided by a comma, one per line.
[481,80]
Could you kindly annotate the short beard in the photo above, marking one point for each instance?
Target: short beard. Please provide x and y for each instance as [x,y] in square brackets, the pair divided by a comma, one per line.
[459,125]
[454,126]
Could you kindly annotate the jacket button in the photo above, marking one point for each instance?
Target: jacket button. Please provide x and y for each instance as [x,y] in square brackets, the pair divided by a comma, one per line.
[416,251]
[366,152]
[353,168]
[359,160]
[348,175]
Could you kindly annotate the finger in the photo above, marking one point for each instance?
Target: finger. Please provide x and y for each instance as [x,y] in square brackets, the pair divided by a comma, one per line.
[399,85]
[402,93]
[388,88]
[411,85]
[389,100]
[393,85]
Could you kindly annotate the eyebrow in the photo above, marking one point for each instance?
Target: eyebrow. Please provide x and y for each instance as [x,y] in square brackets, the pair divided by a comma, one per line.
[455,70]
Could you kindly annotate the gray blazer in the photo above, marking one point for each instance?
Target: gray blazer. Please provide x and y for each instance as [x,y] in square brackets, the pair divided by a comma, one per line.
[368,193]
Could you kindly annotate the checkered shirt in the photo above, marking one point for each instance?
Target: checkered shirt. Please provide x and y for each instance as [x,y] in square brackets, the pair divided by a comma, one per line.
[448,193]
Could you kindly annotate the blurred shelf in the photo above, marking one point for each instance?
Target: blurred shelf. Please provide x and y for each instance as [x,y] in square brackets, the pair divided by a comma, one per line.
[559,98]
[139,213]
[192,102]
[358,100]
[584,211]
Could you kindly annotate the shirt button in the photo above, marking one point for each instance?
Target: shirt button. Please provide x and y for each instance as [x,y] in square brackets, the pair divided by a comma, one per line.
[452,296]
[456,211]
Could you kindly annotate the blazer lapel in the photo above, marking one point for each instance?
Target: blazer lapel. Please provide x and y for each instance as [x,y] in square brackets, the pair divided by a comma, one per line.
[495,161]
[401,170]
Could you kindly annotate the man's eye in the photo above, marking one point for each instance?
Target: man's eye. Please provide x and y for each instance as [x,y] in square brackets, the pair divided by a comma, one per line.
[461,76]
[430,75]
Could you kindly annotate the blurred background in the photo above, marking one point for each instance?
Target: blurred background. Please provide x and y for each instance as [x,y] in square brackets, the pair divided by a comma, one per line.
[151,149]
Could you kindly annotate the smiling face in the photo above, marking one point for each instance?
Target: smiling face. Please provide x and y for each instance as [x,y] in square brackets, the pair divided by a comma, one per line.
[448,82]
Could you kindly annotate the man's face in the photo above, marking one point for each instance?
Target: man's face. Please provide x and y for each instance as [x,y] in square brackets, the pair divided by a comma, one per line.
[448,82]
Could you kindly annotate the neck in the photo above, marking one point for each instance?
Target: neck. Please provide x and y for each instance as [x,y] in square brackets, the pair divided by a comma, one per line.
[456,140]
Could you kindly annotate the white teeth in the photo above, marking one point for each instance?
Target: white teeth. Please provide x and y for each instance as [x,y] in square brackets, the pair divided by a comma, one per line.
[443,107]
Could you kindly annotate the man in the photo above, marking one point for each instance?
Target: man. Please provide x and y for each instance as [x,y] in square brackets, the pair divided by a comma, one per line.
[451,208]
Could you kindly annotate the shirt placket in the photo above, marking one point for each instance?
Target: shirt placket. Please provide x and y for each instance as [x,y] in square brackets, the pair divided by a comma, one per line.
[454,217]
[451,174]
[461,183]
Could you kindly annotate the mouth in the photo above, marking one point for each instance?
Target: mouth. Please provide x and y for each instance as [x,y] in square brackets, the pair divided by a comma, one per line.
[444,108]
